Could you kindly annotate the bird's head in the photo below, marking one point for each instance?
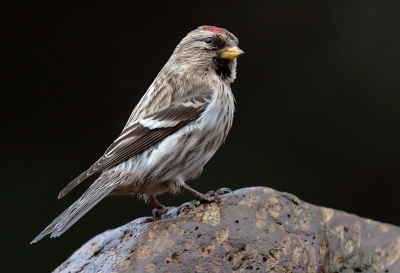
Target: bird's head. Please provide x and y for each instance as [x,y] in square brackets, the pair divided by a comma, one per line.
[206,50]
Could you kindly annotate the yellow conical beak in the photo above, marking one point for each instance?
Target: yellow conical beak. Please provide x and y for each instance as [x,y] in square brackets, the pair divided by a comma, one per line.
[231,53]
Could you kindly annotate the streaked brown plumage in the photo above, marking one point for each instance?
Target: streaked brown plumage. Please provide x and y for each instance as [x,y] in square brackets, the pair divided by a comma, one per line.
[175,129]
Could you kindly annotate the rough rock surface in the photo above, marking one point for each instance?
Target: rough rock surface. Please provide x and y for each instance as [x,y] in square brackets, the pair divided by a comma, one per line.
[253,230]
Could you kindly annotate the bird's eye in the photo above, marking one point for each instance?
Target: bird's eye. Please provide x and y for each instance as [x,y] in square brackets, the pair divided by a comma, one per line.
[208,40]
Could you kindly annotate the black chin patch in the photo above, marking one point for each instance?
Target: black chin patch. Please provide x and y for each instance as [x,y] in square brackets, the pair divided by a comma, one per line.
[223,67]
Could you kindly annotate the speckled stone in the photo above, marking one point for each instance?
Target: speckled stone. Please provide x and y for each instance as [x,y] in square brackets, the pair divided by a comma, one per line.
[253,230]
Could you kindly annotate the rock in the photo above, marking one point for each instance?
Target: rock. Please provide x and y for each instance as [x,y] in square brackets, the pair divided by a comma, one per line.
[253,230]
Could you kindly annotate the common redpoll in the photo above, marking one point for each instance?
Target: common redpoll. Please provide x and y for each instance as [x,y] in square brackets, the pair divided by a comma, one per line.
[175,129]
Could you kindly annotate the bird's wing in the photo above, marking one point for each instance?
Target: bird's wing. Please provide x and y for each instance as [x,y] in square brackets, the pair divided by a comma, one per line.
[147,131]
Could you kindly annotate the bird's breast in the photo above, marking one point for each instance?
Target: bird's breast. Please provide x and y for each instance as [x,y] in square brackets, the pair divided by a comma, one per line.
[218,116]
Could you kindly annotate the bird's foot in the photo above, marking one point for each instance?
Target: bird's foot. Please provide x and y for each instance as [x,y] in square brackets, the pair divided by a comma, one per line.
[214,196]
[159,209]
[211,196]
[220,191]
[159,212]
[188,206]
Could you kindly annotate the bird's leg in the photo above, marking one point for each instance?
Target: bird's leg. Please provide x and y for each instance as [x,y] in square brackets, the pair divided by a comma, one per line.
[160,208]
[211,196]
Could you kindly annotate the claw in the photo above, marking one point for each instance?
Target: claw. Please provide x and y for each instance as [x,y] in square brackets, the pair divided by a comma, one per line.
[211,193]
[188,206]
[221,191]
[193,204]
[158,212]
[211,196]
[159,209]
[155,214]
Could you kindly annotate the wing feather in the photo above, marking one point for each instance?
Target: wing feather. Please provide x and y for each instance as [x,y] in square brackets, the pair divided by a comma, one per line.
[148,131]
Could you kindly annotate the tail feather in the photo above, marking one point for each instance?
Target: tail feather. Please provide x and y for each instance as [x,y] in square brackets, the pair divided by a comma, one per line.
[94,194]
[82,177]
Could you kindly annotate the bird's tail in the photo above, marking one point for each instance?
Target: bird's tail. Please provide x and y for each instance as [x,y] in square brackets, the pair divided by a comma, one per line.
[94,194]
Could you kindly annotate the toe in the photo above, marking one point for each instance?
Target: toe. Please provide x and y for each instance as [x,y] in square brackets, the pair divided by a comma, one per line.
[222,191]
[213,198]
[158,212]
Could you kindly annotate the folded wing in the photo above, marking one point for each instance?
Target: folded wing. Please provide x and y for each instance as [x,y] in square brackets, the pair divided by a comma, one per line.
[147,131]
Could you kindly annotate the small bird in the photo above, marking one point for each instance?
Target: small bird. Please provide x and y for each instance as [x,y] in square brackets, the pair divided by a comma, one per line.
[177,126]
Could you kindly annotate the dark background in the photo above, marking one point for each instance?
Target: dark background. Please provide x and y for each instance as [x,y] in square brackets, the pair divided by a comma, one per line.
[318,115]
